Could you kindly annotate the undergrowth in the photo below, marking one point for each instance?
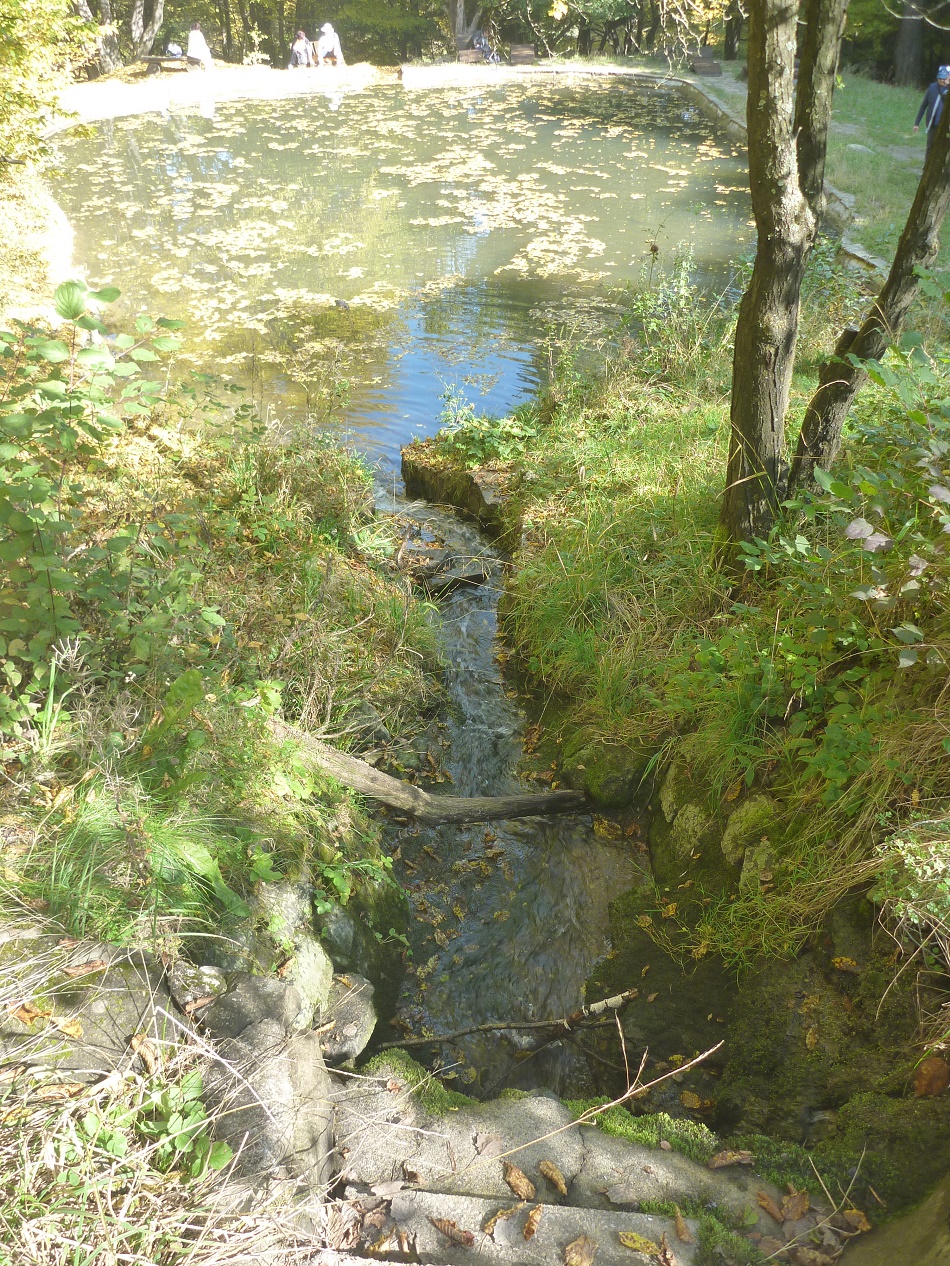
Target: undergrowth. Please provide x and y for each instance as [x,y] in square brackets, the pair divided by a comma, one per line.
[175,574]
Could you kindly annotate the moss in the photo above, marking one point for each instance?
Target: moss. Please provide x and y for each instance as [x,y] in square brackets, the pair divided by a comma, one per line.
[690,1138]
[435,1098]
[610,774]
[753,819]
[511,1094]
[718,1244]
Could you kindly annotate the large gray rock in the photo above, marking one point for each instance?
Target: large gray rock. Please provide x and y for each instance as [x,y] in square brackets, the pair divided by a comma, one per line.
[352,1017]
[273,1094]
[250,1000]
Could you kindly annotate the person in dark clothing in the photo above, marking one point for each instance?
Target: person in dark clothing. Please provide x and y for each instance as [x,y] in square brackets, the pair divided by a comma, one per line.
[932,106]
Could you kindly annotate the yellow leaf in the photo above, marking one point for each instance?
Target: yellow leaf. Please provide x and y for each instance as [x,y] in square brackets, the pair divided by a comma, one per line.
[71,1028]
[689,1100]
[639,1244]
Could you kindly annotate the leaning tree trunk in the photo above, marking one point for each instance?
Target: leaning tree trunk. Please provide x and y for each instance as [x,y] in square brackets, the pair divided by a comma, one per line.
[840,379]
[143,33]
[909,50]
[787,145]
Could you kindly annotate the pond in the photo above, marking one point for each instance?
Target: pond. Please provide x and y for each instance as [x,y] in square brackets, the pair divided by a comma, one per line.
[355,257]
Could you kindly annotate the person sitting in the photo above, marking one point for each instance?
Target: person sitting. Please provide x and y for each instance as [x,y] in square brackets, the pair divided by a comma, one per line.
[301,53]
[198,49]
[328,47]
[481,45]
[173,50]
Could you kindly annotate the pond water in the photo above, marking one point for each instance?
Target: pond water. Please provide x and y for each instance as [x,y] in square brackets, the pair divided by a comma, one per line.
[357,256]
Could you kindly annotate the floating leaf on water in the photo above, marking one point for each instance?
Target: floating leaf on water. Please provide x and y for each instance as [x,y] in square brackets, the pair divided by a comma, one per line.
[639,1244]
[534,1217]
[518,1181]
[580,1252]
[729,1157]
[452,1231]
[553,1175]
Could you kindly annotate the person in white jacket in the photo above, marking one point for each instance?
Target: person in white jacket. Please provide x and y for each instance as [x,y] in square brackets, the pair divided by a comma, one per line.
[198,48]
[328,47]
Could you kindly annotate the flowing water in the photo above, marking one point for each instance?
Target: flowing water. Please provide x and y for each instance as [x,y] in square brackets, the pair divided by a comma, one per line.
[510,917]
[353,259]
[457,226]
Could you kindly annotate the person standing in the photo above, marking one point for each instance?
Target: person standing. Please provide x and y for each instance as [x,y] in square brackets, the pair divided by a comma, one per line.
[198,49]
[932,106]
[328,47]
[301,52]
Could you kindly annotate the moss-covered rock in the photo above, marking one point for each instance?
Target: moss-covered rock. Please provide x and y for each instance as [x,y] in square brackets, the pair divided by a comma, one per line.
[609,774]
[431,471]
[435,1098]
[752,821]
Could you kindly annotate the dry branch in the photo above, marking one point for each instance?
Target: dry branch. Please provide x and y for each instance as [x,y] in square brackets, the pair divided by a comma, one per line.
[431,810]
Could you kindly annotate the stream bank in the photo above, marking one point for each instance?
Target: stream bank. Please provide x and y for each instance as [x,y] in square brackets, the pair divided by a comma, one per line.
[821,1043]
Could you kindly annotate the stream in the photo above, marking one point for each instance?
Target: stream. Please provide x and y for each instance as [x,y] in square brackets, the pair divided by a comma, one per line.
[508,918]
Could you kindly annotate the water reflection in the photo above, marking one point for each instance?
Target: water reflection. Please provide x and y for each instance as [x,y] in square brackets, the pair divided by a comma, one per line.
[458,225]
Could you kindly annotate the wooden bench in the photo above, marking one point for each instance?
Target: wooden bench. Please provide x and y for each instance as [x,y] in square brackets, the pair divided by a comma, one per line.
[471,56]
[522,54]
[153,65]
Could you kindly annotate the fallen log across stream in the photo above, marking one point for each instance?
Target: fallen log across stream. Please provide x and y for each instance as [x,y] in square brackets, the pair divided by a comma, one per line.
[431,810]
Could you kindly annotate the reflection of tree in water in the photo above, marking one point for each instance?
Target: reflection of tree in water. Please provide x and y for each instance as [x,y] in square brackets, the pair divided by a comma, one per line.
[458,226]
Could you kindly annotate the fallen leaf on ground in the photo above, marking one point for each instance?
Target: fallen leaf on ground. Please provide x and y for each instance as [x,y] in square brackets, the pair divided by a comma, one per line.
[728,1157]
[452,1231]
[690,1100]
[639,1244]
[580,1252]
[553,1175]
[58,1090]
[623,1193]
[766,1202]
[803,1256]
[771,1246]
[11,1072]
[666,1257]
[518,1181]
[146,1052]
[666,1146]
[83,969]
[795,1205]
[197,1003]
[652,997]
[856,1219]
[501,1216]
[811,1038]
[488,1145]
[932,1077]
[70,1028]
[27,1012]
[534,1217]
[683,1233]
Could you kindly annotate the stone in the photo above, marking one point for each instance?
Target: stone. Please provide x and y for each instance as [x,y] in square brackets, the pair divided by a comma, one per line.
[273,1100]
[352,1015]
[748,823]
[559,1226]
[188,982]
[128,996]
[251,1000]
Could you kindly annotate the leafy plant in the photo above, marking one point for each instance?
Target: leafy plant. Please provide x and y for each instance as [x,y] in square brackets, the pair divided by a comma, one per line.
[477,439]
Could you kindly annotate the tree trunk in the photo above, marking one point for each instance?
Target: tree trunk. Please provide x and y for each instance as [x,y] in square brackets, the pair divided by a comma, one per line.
[362,777]
[840,380]
[224,10]
[107,44]
[909,51]
[143,33]
[584,35]
[787,145]
[462,30]
[734,21]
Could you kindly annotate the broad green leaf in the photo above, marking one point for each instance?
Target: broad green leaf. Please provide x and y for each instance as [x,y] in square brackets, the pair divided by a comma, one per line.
[69,300]
[108,294]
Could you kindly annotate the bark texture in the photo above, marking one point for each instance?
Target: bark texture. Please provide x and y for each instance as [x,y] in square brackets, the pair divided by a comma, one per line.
[432,810]
[144,30]
[463,29]
[909,50]
[788,135]
[840,379]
